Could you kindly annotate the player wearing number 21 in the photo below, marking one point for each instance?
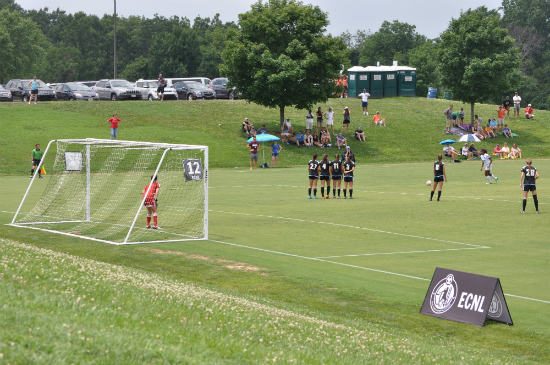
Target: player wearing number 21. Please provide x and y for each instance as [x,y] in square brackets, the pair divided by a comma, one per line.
[529,175]
[439,177]
[151,195]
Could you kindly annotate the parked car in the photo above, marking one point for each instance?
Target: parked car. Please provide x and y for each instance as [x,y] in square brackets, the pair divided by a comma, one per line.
[170,81]
[219,85]
[75,91]
[116,89]
[5,95]
[20,89]
[191,90]
[149,90]
[90,84]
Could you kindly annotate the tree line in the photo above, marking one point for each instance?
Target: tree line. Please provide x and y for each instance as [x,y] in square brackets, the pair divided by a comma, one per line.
[59,47]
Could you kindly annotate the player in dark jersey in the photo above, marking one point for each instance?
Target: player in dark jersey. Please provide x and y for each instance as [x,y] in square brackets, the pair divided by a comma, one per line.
[336,172]
[439,177]
[349,167]
[324,167]
[313,170]
[529,175]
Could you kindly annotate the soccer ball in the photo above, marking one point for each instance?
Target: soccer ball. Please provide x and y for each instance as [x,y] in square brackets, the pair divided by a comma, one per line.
[429,182]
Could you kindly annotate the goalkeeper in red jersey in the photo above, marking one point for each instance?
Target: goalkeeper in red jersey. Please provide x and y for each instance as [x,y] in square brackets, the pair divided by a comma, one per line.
[150,202]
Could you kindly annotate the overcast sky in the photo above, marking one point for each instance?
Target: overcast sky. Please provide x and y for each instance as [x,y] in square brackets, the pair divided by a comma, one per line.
[431,17]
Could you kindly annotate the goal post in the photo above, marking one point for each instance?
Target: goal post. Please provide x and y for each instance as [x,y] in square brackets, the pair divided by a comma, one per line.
[95,190]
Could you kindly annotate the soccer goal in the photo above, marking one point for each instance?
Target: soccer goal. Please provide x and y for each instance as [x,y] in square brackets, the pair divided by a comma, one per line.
[95,190]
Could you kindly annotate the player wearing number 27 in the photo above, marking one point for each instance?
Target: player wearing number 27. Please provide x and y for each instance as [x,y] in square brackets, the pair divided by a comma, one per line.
[529,175]
[150,202]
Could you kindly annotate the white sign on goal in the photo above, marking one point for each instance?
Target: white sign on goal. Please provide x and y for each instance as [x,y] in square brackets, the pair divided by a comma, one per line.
[97,190]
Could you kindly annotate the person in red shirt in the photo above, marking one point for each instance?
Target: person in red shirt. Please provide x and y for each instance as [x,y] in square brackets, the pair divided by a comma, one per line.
[253,148]
[114,125]
[500,120]
[150,195]
[529,112]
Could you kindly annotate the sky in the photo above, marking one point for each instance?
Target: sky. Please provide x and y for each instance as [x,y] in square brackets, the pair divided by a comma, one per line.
[430,17]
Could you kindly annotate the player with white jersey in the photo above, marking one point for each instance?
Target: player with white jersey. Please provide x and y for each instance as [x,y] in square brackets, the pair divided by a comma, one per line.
[487,162]
[529,175]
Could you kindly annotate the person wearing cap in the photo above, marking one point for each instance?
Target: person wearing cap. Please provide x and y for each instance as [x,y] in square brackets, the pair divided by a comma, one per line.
[262,130]
[449,151]
[506,104]
[378,120]
[247,126]
[330,119]
[347,120]
[506,132]
[289,125]
[466,152]
[34,89]
[341,141]
[364,101]
[300,138]
[529,112]
[517,101]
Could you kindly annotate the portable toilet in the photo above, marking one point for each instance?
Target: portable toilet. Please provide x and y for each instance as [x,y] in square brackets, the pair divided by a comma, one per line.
[376,81]
[406,81]
[353,79]
[390,82]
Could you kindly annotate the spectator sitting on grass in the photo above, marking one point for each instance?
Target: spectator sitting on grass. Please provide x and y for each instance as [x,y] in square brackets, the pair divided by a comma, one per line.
[359,134]
[324,131]
[449,151]
[493,123]
[316,140]
[505,151]
[300,138]
[262,130]
[515,152]
[497,151]
[377,119]
[478,131]
[341,141]
[285,132]
[247,126]
[308,139]
[507,132]
[289,125]
[325,138]
[529,112]
[489,131]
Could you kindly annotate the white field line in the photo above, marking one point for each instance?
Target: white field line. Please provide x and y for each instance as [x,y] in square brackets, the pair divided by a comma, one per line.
[400,252]
[348,226]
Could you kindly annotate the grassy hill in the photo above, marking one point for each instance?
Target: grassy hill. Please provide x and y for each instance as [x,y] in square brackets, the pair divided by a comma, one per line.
[415,127]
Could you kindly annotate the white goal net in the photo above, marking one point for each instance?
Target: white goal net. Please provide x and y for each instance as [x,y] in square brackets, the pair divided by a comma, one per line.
[95,191]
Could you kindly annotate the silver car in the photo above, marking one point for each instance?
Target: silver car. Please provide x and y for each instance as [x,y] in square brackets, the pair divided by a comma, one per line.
[148,90]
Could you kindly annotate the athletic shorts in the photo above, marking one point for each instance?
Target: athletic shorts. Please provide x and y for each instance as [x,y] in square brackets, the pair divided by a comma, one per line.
[527,116]
[319,120]
[330,122]
[253,157]
[439,178]
[449,123]
[500,121]
[324,178]
[275,154]
[35,162]
[313,177]
[516,107]
[309,124]
[160,89]
[365,104]
[507,108]
[529,188]
[336,177]
[150,202]
[348,178]
[488,173]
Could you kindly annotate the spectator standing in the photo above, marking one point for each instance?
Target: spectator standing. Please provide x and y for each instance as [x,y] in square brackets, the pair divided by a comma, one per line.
[449,119]
[529,112]
[359,134]
[309,121]
[319,119]
[529,175]
[34,89]
[347,119]
[500,120]
[487,161]
[517,104]
[253,148]
[364,101]
[344,82]
[36,157]
[276,148]
[461,115]
[507,103]
[330,119]
[114,126]
[160,88]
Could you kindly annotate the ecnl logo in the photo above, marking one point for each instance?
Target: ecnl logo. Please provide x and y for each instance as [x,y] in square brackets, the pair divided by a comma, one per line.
[444,295]
[495,310]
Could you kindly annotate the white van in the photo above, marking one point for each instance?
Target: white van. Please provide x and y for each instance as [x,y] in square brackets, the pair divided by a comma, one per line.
[172,80]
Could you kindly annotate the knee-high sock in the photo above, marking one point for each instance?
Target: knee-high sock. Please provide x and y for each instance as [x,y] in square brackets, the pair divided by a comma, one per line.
[524,204]
[148,219]
[322,191]
[488,178]
[338,192]
[344,193]
[536,200]
[309,191]
[314,192]
[155,219]
[350,193]
[432,194]
[438,194]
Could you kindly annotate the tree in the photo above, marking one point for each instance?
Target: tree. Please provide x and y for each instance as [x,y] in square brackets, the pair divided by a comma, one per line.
[354,44]
[280,57]
[390,39]
[424,58]
[477,56]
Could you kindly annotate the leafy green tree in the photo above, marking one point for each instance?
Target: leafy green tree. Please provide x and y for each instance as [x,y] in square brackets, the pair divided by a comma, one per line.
[21,45]
[354,44]
[61,64]
[281,56]
[391,39]
[424,59]
[137,69]
[477,56]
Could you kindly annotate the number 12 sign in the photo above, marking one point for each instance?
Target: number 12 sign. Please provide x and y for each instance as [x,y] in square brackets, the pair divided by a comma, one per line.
[192,169]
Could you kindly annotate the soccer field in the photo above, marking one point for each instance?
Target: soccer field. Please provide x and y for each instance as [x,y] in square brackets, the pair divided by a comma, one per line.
[386,242]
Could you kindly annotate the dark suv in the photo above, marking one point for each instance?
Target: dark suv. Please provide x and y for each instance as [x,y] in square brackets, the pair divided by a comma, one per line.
[118,89]
[219,85]
[20,89]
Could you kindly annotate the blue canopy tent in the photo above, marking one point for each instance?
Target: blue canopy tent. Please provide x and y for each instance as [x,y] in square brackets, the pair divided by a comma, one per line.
[264,138]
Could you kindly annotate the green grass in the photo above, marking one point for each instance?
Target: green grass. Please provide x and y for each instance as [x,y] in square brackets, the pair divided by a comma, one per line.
[363,264]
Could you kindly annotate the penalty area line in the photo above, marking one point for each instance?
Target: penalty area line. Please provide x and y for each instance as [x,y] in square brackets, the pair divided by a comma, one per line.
[400,252]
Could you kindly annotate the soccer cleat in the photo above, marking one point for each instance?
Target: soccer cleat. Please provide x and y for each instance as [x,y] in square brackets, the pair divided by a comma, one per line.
[314,197]
[430,199]
[523,211]
[148,227]
[351,197]
[156,227]
[438,200]
[538,212]
[345,197]
[339,197]
[40,176]
[323,197]
[496,179]
[309,197]
[31,176]
[488,183]
[328,196]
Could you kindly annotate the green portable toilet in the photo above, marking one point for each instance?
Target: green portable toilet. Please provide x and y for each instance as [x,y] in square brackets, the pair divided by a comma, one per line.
[406,81]
[363,81]
[376,82]
[353,80]
[390,82]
